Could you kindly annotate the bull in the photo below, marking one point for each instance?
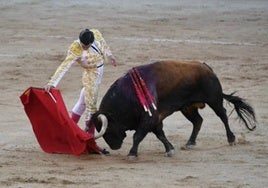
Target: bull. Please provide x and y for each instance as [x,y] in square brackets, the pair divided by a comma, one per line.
[182,86]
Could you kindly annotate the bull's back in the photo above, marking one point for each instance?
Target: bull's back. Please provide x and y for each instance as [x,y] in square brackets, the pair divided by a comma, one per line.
[176,74]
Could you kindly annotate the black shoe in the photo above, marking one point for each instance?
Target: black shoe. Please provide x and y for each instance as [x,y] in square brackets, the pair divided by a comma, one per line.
[105,152]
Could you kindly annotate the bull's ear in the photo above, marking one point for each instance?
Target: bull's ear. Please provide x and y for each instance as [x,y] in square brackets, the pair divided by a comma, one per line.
[95,115]
[94,121]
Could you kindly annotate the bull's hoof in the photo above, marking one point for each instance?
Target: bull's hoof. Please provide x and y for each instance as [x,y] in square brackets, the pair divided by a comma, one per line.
[231,139]
[132,157]
[232,143]
[188,147]
[170,153]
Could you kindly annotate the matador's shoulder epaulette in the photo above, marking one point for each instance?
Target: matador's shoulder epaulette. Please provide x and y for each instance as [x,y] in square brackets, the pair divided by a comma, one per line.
[75,48]
[97,34]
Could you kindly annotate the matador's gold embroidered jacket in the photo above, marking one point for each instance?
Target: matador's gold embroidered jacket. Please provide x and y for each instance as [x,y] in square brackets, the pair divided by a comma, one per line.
[88,59]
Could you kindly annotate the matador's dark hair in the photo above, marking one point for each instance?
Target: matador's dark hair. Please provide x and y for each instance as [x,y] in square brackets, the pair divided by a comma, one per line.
[86,37]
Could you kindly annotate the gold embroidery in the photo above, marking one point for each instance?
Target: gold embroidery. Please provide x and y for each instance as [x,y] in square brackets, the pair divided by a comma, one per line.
[100,43]
[97,34]
[89,60]
[76,49]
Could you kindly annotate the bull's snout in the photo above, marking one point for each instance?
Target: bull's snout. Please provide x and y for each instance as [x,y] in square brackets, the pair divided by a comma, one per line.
[115,147]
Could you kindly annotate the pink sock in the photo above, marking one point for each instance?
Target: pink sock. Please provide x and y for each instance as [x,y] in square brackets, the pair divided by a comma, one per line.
[75,117]
[91,129]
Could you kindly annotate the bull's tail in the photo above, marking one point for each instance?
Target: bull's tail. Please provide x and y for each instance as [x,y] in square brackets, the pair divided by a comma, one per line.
[244,111]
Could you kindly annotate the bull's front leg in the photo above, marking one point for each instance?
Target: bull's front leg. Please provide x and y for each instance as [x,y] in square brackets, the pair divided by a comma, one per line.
[162,137]
[137,138]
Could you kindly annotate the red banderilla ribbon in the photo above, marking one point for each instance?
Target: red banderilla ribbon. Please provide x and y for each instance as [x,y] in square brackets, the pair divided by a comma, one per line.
[142,91]
[145,89]
[139,93]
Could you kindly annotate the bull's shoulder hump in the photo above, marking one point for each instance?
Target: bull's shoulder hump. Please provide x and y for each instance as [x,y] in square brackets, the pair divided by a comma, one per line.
[178,71]
[177,65]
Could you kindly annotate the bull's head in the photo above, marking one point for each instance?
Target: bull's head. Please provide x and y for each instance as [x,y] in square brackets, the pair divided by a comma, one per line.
[112,133]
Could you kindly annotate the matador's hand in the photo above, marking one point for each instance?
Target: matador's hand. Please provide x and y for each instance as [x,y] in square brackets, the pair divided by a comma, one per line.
[112,60]
[48,87]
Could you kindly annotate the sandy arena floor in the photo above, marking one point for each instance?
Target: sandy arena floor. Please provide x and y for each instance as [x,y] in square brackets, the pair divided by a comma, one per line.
[230,36]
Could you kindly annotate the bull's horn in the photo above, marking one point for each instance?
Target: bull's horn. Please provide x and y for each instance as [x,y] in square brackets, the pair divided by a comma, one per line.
[104,126]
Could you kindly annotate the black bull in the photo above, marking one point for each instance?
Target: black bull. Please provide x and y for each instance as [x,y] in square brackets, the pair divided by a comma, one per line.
[175,86]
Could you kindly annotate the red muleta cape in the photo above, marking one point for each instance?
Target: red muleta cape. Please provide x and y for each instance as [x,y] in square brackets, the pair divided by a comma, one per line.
[55,131]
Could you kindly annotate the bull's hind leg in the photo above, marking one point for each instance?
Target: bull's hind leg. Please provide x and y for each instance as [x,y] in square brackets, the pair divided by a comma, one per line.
[221,112]
[191,113]
[162,137]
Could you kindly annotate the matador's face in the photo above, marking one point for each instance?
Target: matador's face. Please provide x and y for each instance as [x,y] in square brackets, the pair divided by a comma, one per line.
[85,47]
